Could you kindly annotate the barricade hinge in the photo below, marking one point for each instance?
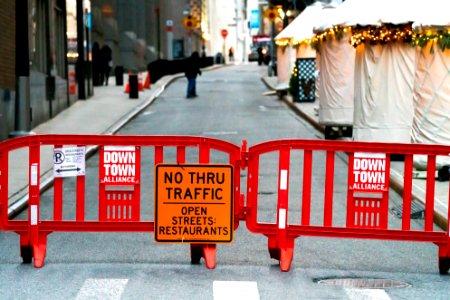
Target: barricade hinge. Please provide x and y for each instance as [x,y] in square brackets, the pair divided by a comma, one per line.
[244,155]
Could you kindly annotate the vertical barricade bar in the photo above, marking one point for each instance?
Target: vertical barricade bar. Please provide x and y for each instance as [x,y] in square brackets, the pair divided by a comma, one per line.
[37,240]
[135,214]
[429,198]
[252,192]
[329,183]
[307,178]
[407,192]
[285,243]
[384,205]
[350,201]
[159,155]
[181,154]
[58,195]
[80,198]
[204,153]
[3,189]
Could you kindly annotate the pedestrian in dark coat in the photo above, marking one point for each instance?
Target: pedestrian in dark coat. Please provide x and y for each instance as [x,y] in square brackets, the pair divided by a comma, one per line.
[191,72]
[106,64]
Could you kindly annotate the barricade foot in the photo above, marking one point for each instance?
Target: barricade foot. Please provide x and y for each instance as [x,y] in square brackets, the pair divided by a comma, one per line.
[39,251]
[286,259]
[209,254]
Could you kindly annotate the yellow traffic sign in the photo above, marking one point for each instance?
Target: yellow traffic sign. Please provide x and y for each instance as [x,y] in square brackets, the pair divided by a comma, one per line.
[194,203]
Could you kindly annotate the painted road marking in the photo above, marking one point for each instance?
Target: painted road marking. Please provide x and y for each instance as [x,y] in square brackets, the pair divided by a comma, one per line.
[236,290]
[367,294]
[102,289]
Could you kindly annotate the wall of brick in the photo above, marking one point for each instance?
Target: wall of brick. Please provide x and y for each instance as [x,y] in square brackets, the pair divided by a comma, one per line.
[7,44]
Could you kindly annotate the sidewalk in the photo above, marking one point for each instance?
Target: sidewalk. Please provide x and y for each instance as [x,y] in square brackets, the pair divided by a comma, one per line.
[307,110]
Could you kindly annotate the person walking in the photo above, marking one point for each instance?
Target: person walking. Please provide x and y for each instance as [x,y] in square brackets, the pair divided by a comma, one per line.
[106,54]
[191,72]
[231,54]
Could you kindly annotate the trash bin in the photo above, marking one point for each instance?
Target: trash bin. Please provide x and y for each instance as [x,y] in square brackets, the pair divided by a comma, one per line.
[134,87]
[219,58]
[118,71]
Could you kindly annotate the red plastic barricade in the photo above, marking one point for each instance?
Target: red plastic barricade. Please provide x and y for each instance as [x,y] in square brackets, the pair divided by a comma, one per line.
[367,209]
[353,201]
[119,184]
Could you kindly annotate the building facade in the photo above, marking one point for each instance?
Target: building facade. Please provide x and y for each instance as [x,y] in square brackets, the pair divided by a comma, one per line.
[33,81]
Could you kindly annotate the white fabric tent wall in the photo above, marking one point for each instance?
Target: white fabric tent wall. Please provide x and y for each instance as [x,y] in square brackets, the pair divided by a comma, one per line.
[285,64]
[336,90]
[431,124]
[384,79]
[432,97]
[384,74]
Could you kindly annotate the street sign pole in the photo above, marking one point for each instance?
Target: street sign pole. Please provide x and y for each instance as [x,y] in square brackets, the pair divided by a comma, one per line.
[169,28]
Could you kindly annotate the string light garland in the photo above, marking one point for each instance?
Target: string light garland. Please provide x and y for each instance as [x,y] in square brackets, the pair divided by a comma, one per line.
[381,34]
[439,37]
[283,42]
[336,32]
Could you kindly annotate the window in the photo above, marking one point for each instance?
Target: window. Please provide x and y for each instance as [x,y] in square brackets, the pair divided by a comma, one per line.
[38,46]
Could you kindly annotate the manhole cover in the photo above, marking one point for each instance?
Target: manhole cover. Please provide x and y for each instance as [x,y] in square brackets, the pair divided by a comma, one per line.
[363,283]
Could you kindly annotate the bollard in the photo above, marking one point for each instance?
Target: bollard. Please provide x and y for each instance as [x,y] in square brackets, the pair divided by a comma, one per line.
[118,72]
[133,83]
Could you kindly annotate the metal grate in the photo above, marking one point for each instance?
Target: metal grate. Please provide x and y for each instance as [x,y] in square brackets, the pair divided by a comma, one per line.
[417,210]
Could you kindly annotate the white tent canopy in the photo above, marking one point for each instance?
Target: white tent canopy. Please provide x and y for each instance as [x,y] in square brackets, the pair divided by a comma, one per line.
[376,12]
[302,27]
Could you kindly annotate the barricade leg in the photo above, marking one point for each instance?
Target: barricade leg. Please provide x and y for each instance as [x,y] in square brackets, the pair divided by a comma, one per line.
[444,258]
[283,253]
[39,250]
[207,251]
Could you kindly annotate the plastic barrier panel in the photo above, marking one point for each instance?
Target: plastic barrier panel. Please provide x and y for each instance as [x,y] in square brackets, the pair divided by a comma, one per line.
[294,188]
[120,173]
[300,211]
[119,179]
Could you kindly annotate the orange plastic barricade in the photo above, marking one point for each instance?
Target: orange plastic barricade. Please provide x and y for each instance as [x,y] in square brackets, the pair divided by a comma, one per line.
[362,181]
[119,206]
[367,185]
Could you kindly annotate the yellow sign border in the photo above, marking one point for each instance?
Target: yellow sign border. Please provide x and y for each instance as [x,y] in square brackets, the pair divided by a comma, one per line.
[194,240]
